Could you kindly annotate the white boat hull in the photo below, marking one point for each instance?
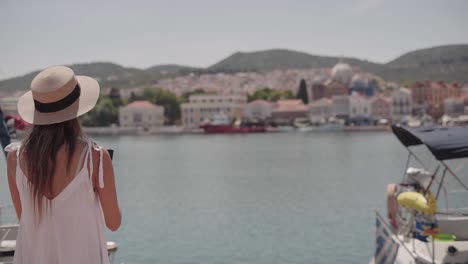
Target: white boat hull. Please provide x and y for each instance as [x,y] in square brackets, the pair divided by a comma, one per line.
[322,128]
[415,251]
[395,248]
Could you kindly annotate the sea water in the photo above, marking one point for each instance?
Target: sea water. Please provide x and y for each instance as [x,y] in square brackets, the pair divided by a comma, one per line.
[257,198]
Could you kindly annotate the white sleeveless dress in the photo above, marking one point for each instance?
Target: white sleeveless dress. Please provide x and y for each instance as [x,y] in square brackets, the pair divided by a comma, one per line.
[72,231]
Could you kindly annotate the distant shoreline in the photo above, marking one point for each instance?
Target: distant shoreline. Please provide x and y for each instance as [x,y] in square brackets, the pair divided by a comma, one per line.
[178,130]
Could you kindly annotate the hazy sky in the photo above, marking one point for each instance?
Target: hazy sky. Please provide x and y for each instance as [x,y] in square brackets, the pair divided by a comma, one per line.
[39,33]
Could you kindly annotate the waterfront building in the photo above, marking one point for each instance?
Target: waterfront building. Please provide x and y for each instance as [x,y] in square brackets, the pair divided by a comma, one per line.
[429,96]
[203,107]
[381,107]
[401,104]
[286,111]
[141,114]
[454,107]
[420,97]
[341,106]
[258,110]
[320,110]
[360,107]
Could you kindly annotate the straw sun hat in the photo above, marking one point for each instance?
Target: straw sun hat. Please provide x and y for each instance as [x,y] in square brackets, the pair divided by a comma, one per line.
[57,95]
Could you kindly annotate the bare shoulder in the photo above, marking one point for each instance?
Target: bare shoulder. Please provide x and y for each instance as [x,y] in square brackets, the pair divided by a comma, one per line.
[11,165]
[11,158]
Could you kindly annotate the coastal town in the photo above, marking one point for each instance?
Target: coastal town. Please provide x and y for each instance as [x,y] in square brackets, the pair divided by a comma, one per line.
[327,99]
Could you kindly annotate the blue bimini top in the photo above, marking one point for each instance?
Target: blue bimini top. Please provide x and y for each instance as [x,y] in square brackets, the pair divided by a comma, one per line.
[443,142]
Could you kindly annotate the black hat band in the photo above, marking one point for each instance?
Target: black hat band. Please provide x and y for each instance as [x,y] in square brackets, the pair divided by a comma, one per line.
[61,104]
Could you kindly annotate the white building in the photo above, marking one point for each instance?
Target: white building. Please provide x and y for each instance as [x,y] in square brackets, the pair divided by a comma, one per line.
[359,106]
[203,107]
[258,110]
[381,107]
[341,106]
[141,114]
[401,104]
[320,110]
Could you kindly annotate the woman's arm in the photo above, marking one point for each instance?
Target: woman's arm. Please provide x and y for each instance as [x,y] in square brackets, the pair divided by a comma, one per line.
[108,194]
[11,171]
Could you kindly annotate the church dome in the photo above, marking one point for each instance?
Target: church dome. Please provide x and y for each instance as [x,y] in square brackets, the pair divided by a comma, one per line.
[342,72]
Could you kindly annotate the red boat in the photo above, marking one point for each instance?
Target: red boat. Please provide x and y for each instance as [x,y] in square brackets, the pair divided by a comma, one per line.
[221,124]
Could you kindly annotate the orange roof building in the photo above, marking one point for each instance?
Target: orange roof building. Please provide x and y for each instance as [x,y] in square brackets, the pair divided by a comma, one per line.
[141,114]
[286,111]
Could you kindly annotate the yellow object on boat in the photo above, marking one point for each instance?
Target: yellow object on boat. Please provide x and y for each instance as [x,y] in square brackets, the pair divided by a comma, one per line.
[432,203]
[417,201]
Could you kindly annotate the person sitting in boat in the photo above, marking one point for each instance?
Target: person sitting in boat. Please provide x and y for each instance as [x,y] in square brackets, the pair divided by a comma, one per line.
[416,180]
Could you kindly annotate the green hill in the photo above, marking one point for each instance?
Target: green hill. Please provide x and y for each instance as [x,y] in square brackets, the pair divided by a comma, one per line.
[439,63]
[280,59]
[437,55]
[108,74]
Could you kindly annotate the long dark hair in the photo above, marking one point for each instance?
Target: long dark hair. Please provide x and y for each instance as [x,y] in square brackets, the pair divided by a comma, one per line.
[39,156]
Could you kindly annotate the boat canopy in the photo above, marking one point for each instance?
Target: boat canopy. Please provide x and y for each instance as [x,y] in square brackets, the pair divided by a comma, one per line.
[444,142]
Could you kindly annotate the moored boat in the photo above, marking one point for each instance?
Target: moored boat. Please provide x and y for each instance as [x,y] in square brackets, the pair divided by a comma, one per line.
[221,124]
[421,225]
[332,125]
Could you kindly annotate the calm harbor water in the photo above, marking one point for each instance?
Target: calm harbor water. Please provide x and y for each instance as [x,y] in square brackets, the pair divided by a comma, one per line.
[260,199]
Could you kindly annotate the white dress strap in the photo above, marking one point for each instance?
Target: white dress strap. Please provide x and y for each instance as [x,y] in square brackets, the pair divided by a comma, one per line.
[13,147]
[93,145]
